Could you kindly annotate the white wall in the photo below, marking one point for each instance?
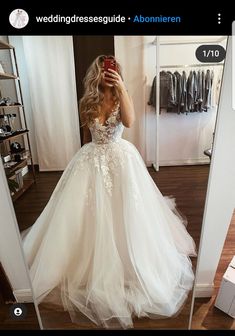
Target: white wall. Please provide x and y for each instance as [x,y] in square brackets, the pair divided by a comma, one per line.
[129,51]
[220,201]
[11,252]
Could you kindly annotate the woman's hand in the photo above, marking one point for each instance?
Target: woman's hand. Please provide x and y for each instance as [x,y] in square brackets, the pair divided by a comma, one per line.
[126,104]
[114,79]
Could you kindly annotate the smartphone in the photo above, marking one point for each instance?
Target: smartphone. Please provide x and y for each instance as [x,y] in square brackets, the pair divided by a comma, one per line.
[110,63]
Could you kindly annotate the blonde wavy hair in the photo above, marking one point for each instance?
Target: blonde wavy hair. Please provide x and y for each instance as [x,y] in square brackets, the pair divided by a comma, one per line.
[90,103]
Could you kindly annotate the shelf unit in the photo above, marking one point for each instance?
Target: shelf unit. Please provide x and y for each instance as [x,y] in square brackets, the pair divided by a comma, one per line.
[10,106]
[7,76]
[5,141]
[12,136]
[11,170]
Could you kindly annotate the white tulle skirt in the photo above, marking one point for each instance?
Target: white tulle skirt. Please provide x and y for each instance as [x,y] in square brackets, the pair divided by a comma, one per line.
[109,241]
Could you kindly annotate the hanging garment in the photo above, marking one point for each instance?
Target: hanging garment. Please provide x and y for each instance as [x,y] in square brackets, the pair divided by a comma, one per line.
[212,80]
[207,94]
[178,90]
[152,97]
[167,97]
[192,89]
[195,92]
[216,87]
[172,93]
[183,99]
[107,239]
[199,98]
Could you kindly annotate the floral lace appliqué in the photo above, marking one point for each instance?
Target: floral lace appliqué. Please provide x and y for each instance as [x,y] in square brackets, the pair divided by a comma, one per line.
[111,131]
[104,152]
[105,159]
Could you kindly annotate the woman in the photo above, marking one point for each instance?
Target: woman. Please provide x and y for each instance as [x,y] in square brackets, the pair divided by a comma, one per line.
[108,239]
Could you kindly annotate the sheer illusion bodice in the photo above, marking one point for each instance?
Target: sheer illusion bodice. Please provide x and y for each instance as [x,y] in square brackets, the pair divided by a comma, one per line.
[111,131]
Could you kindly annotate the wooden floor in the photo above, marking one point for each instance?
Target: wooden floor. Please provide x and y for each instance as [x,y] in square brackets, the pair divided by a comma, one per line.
[205,315]
[31,204]
[58,319]
[187,184]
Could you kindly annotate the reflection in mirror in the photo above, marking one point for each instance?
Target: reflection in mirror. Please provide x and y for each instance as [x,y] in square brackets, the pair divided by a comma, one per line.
[215,263]
[106,246]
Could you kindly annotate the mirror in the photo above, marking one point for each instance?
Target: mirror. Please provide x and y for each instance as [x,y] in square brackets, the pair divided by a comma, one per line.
[116,274]
[217,238]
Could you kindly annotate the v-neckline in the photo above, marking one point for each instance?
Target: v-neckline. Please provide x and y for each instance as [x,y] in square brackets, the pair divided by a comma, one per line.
[111,114]
[106,121]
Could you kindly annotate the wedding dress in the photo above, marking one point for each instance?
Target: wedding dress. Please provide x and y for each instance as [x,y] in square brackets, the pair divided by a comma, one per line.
[108,239]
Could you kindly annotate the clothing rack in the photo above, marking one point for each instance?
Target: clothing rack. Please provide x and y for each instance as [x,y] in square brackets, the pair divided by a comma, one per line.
[158,43]
[191,65]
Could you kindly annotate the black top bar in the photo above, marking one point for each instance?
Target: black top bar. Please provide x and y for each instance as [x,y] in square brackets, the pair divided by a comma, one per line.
[132,20]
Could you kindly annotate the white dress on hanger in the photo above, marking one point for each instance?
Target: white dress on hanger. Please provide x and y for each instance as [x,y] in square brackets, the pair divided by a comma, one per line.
[108,239]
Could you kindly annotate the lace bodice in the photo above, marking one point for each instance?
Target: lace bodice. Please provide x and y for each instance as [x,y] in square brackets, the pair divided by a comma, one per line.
[111,131]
